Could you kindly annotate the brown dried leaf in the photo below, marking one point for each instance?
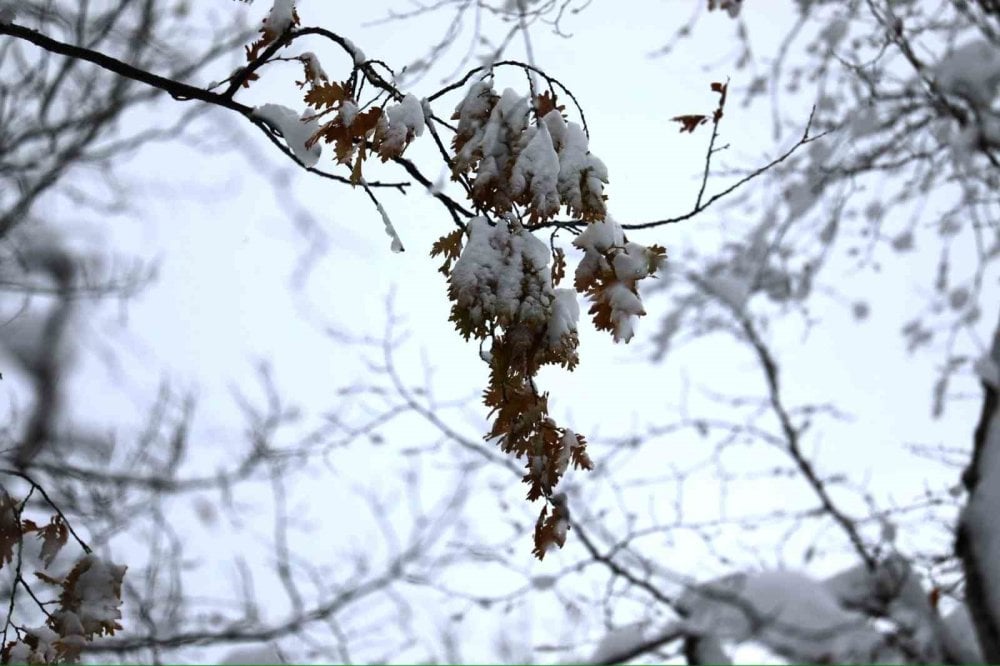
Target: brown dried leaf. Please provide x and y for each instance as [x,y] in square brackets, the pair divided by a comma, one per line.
[10,529]
[356,169]
[53,536]
[546,102]
[558,265]
[51,580]
[365,122]
[326,95]
[690,122]
[450,246]
[547,532]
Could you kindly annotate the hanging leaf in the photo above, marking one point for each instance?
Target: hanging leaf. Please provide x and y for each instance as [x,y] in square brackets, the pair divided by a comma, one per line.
[53,536]
[10,529]
[326,95]
[690,123]
[450,246]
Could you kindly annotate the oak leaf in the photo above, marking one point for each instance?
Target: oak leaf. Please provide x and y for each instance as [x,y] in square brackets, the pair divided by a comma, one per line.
[547,102]
[690,122]
[53,536]
[326,95]
[450,246]
[558,265]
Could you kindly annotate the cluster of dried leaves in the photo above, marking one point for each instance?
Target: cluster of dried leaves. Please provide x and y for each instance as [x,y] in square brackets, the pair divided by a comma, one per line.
[89,595]
[521,163]
[523,339]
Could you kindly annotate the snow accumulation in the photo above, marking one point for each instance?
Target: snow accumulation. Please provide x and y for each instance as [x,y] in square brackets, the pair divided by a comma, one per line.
[550,162]
[795,616]
[503,275]
[804,620]
[565,314]
[44,653]
[95,589]
[619,641]
[400,124]
[537,171]
[279,19]
[295,129]
[396,245]
[628,263]
[971,71]
[581,174]
[566,446]
[347,112]
[357,54]
[315,69]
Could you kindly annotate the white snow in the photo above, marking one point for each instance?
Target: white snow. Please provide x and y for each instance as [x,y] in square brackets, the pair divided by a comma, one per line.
[295,129]
[619,641]
[400,124]
[347,112]
[396,245]
[566,447]
[45,653]
[491,129]
[503,275]
[472,113]
[893,591]
[603,240]
[581,174]
[625,310]
[97,590]
[357,54]
[600,237]
[536,170]
[565,315]
[552,164]
[279,19]
[790,613]
[971,71]
[314,67]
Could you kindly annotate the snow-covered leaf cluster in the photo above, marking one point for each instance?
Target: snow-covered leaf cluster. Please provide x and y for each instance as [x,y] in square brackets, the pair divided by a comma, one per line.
[500,283]
[39,645]
[502,279]
[398,125]
[543,166]
[502,291]
[608,273]
[279,18]
[89,600]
